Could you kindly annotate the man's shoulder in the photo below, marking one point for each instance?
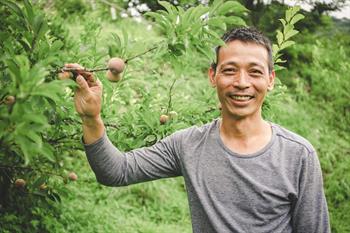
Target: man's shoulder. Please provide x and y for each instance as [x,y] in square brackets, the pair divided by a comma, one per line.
[198,131]
[291,138]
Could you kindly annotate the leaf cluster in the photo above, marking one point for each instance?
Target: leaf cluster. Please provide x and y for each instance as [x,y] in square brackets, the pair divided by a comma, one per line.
[196,28]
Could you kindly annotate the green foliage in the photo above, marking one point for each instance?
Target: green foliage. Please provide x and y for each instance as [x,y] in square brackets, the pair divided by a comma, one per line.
[197,28]
[283,37]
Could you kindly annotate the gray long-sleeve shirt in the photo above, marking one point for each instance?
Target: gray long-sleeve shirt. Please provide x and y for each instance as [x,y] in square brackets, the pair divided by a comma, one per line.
[277,189]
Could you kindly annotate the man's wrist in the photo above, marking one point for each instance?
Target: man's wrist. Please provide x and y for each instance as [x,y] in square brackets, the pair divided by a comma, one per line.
[92,122]
[93,129]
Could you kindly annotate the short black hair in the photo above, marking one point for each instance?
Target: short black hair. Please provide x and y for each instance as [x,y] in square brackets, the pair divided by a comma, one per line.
[246,34]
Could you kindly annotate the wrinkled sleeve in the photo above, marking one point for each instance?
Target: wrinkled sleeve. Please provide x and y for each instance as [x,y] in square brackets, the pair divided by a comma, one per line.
[115,168]
[310,213]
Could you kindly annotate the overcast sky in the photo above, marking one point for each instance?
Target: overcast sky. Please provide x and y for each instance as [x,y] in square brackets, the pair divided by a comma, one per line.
[344,13]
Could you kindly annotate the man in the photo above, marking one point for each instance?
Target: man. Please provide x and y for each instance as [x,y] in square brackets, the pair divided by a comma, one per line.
[242,173]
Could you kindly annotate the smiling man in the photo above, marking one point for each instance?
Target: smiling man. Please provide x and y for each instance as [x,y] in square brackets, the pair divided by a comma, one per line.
[242,173]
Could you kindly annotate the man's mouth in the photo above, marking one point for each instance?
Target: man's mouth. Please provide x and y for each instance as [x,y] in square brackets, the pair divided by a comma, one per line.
[241,97]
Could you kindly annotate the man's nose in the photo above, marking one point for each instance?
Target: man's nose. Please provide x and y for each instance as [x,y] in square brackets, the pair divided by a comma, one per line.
[242,80]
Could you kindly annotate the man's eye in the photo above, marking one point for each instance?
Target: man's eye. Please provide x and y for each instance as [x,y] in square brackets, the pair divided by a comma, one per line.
[225,71]
[256,72]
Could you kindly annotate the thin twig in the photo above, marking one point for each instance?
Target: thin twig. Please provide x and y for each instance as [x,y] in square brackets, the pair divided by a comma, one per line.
[170,95]
[141,54]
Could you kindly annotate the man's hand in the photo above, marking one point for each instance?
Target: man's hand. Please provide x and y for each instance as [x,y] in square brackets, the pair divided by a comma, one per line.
[88,102]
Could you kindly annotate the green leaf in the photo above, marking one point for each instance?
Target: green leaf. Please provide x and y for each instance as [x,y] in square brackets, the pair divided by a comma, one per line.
[280,61]
[216,4]
[283,22]
[14,7]
[217,22]
[41,180]
[288,14]
[295,10]
[29,11]
[287,29]
[234,20]
[279,37]
[50,90]
[56,45]
[286,44]
[47,151]
[290,34]
[39,27]
[296,18]
[278,67]
[275,49]
[24,145]
[35,138]
[172,12]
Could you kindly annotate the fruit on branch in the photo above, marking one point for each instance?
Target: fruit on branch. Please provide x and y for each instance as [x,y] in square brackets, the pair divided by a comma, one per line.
[72,176]
[10,100]
[116,66]
[65,75]
[113,77]
[163,119]
[20,183]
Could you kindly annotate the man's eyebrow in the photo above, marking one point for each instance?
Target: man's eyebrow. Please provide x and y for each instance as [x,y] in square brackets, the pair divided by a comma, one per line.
[236,64]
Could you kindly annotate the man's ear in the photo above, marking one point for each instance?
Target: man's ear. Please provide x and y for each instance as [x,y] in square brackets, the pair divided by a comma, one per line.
[211,75]
[271,81]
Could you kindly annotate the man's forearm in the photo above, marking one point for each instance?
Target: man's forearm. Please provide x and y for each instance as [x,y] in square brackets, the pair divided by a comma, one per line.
[93,129]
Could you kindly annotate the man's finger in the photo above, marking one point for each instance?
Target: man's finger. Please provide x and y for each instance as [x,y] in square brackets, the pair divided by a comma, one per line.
[73,65]
[83,85]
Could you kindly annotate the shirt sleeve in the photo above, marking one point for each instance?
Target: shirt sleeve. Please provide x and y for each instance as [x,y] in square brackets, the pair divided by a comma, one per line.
[115,168]
[310,213]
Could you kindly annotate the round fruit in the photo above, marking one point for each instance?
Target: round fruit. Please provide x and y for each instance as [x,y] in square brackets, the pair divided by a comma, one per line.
[9,100]
[112,77]
[20,183]
[65,75]
[72,176]
[116,65]
[163,119]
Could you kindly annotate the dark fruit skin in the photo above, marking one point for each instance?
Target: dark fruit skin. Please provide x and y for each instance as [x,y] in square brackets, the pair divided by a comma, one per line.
[112,77]
[72,176]
[163,119]
[10,100]
[116,65]
[20,183]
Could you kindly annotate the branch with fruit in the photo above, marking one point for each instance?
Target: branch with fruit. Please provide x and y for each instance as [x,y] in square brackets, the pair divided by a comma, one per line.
[114,68]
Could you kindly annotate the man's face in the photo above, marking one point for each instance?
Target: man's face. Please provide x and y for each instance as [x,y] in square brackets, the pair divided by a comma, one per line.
[242,79]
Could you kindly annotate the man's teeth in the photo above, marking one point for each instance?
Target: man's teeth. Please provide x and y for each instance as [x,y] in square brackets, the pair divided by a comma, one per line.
[241,97]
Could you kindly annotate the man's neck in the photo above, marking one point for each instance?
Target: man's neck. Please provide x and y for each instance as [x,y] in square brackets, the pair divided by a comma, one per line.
[245,136]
